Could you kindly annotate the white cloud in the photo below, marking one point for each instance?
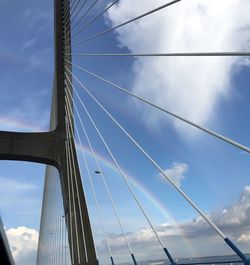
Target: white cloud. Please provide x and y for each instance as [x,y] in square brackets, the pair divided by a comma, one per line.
[244,237]
[195,237]
[176,172]
[192,87]
[238,213]
[247,189]
[23,243]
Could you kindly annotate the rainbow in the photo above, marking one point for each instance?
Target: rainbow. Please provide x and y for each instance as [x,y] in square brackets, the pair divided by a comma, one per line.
[11,123]
[148,195]
[15,124]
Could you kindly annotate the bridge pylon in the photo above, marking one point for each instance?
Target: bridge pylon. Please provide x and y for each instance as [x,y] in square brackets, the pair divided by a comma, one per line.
[50,148]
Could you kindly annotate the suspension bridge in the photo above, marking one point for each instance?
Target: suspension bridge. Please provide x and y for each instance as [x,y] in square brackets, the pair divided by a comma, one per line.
[65,214]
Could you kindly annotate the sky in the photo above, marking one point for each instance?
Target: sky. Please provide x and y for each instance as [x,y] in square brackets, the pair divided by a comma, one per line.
[213,92]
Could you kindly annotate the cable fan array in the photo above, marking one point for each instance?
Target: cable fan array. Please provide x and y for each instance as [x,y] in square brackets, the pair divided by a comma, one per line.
[80,15]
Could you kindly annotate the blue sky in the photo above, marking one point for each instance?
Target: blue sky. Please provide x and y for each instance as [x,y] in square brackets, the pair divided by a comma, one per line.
[213,92]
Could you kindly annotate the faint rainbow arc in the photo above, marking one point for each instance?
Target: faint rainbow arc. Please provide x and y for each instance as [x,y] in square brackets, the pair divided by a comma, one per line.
[17,124]
[27,126]
[162,208]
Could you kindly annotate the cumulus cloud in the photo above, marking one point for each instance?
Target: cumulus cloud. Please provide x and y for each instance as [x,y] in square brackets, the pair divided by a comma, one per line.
[237,214]
[244,237]
[176,172]
[23,243]
[192,87]
[194,237]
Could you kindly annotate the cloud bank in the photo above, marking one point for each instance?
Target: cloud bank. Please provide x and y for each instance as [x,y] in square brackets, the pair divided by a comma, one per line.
[193,238]
[190,238]
[192,87]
